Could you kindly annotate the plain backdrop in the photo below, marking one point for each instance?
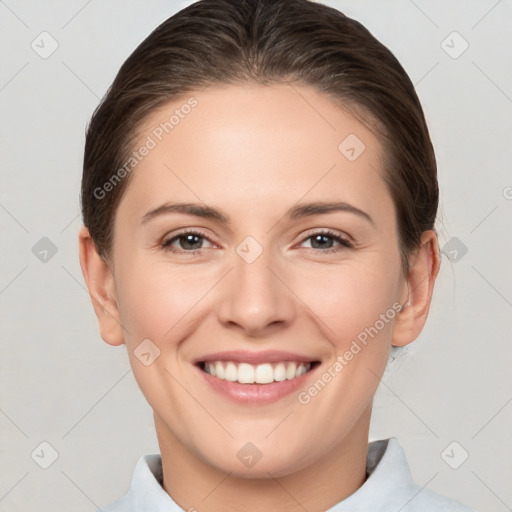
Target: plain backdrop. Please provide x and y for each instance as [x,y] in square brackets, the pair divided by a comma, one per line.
[448,399]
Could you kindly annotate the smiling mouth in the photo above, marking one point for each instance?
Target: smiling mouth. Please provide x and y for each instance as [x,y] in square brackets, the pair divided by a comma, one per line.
[266,373]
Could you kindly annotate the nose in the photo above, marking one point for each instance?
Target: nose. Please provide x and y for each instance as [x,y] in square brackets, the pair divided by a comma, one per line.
[256,298]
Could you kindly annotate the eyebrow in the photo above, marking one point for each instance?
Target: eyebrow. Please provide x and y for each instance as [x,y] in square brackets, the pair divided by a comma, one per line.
[296,212]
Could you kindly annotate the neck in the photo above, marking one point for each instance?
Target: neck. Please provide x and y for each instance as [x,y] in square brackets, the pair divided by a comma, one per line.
[194,484]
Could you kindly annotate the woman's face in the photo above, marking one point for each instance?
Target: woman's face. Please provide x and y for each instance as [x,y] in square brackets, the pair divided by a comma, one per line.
[283,256]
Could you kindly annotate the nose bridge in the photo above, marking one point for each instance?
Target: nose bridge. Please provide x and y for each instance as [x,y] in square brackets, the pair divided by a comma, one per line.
[254,297]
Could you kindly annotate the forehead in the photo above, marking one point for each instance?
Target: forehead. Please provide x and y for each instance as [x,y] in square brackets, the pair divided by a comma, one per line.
[253,146]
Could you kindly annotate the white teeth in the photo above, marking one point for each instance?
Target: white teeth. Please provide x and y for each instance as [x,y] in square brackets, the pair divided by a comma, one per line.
[245,373]
[265,373]
[291,371]
[219,370]
[280,372]
[301,370]
[231,372]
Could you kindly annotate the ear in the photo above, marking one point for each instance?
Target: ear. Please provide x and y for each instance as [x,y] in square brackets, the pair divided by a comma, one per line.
[417,293]
[101,286]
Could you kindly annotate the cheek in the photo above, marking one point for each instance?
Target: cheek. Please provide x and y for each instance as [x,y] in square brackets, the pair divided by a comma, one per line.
[159,303]
[155,301]
[350,298]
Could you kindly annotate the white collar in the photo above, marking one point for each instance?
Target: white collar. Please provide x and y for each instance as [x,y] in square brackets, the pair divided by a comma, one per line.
[388,488]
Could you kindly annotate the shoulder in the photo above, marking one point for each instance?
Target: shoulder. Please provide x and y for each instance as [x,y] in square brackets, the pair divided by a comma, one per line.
[121,505]
[410,496]
[413,497]
[429,501]
[145,492]
[390,487]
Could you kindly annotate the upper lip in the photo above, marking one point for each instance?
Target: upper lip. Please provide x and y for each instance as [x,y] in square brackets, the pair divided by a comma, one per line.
[251,357]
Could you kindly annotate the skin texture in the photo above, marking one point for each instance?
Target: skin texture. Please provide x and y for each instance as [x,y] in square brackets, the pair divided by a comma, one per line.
[254,152]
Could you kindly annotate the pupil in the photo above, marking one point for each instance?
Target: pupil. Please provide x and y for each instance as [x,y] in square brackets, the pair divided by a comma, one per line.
[324,237]
[189,240]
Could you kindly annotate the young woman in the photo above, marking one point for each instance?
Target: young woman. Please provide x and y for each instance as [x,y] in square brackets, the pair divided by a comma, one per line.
[259,196]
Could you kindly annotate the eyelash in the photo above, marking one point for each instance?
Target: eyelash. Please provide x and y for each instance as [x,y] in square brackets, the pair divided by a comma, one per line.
[344,244]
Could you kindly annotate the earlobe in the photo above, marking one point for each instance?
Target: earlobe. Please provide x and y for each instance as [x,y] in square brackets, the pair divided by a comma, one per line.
[100,283]
[418,289]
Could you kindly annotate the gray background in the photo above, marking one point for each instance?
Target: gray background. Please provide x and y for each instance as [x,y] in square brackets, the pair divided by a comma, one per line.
[61,384]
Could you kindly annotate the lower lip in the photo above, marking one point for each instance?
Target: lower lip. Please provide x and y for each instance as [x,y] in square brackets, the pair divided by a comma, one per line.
[256,393]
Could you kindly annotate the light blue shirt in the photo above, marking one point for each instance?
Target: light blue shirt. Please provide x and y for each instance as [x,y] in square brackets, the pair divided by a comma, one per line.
[388,488]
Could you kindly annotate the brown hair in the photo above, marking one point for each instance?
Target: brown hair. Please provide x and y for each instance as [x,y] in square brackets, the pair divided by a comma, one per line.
[265,42]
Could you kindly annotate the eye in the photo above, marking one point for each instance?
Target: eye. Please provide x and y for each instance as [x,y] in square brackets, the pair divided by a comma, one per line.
[189,242]
[323,240]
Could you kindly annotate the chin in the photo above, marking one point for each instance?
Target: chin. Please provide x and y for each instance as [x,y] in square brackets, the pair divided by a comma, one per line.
[248,462]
